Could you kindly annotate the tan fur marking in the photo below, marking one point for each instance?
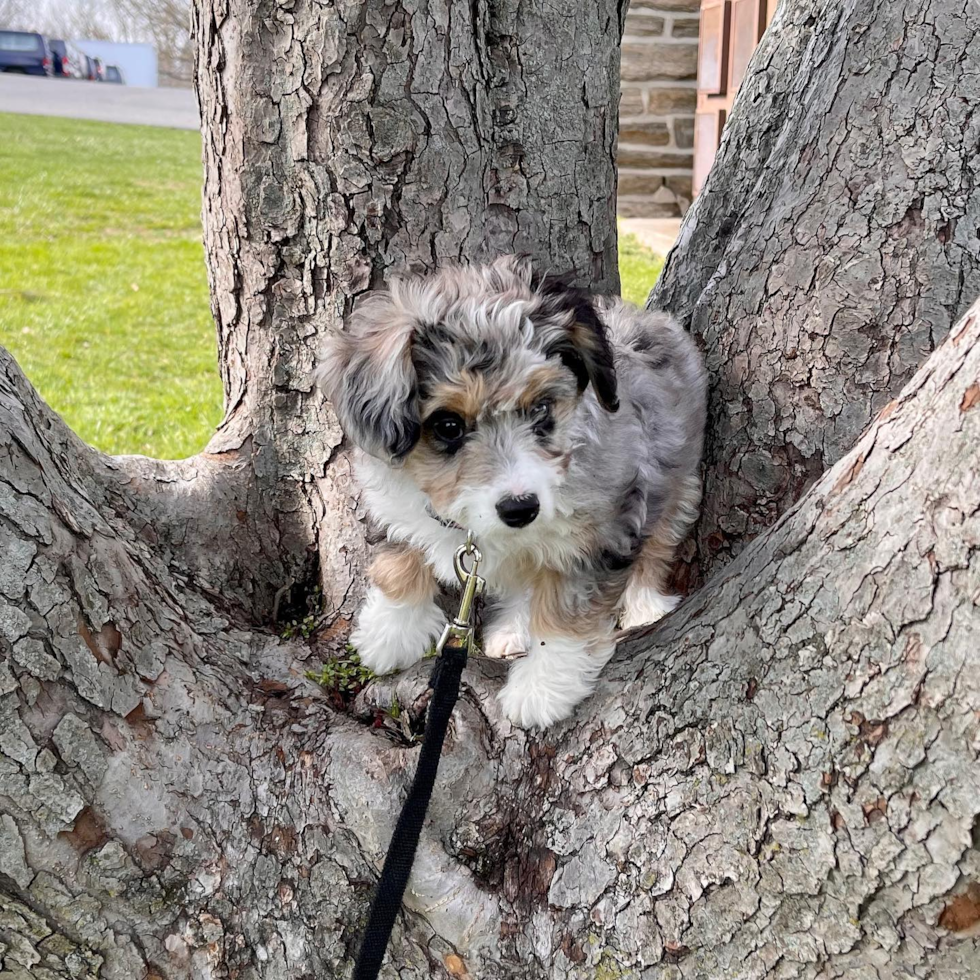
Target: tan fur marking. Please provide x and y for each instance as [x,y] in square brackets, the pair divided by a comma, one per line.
[583,337]
[652,567]
[443,477]
[550,616]
[653,564]
[435,475]
[403,576]
[467,396]
[548,380]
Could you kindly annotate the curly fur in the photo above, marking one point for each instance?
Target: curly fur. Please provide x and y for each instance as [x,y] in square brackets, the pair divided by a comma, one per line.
[588,406]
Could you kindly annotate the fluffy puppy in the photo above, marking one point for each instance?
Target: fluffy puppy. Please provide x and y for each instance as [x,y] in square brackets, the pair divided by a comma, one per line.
[562,428]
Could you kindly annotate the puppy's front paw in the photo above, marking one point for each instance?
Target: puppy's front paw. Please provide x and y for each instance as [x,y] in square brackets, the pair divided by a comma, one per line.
[643,606]
[531,705]
[394,635]
[506,644]
[545,686]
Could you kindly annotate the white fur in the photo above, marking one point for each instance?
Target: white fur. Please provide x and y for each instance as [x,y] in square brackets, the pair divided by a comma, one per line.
[398,505]
[643,605]
[525,473]
[394,635]
[551,680]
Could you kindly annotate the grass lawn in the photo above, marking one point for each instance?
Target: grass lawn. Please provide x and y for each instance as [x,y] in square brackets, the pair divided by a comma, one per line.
[638,269]
[103,290]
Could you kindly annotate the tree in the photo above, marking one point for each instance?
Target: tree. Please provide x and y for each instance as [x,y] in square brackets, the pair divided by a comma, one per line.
[779,781]
[13,14]
[79,19]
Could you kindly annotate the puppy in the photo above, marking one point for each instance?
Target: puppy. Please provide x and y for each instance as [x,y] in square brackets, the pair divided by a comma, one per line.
[563,429]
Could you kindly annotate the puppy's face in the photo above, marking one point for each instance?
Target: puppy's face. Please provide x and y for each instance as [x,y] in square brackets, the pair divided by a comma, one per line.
[470,379]
[494,444]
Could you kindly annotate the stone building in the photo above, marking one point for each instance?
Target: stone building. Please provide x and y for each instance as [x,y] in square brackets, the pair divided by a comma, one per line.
[659,97]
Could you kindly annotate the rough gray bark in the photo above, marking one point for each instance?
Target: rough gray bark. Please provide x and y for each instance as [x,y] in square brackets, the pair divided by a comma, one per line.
[834,244]
[779,782]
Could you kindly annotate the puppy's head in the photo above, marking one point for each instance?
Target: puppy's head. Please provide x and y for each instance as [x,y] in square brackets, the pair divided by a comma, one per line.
[471,379]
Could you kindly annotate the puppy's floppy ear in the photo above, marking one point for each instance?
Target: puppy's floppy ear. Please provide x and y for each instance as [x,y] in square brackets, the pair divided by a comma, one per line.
[366,371]
[572,330]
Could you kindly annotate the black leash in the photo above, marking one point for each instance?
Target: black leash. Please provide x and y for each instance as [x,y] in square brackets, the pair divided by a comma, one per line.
[453,649]
[405,839]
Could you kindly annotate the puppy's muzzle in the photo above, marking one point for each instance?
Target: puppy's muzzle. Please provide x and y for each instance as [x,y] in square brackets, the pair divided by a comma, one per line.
[518,511]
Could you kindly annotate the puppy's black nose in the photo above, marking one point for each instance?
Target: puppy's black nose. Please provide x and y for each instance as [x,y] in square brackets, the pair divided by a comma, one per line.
[518,511]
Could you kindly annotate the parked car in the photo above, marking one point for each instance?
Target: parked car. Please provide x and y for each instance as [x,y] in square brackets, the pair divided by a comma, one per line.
[113,73]
[25,53]
[69,62]
[95,70]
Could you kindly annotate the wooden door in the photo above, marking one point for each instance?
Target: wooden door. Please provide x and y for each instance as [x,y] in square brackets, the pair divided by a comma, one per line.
[730,31]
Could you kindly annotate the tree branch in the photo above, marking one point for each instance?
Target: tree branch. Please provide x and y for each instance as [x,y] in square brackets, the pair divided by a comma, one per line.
[781,777]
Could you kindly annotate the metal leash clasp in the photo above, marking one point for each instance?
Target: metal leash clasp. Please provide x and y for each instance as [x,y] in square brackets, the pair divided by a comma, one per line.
[473,585]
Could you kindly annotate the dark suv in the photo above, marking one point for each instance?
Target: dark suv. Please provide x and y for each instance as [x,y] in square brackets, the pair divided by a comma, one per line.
[24,53]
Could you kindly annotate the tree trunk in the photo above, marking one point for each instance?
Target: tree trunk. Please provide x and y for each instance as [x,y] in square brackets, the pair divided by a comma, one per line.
[778,782]
[834,244]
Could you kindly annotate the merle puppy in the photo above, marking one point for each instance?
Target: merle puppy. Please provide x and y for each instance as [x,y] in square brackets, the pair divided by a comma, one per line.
[562,428]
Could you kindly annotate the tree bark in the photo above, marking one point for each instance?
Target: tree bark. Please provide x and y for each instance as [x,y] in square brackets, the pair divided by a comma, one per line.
[833,246]
[778,782]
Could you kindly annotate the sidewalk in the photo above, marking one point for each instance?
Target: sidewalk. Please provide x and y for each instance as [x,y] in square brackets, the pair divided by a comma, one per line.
[658,234]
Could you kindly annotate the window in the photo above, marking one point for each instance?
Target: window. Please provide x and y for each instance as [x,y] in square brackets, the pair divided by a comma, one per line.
[15,41]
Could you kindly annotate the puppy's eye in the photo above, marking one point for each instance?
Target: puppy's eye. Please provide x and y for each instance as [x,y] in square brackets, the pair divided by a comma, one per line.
[540,417]
[448,427]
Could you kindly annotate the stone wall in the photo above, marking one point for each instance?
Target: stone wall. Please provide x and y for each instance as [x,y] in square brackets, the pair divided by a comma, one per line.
[656,112]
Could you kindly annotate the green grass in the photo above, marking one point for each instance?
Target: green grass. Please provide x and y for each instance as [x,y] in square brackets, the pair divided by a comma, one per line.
[638,269]
[103,294]
[103,290]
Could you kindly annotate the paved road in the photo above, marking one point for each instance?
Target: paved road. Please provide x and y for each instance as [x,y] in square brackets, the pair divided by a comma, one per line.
[171,107]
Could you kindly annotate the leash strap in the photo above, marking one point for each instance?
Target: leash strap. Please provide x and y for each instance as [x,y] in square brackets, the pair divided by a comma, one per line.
[453,649]
[404,842]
